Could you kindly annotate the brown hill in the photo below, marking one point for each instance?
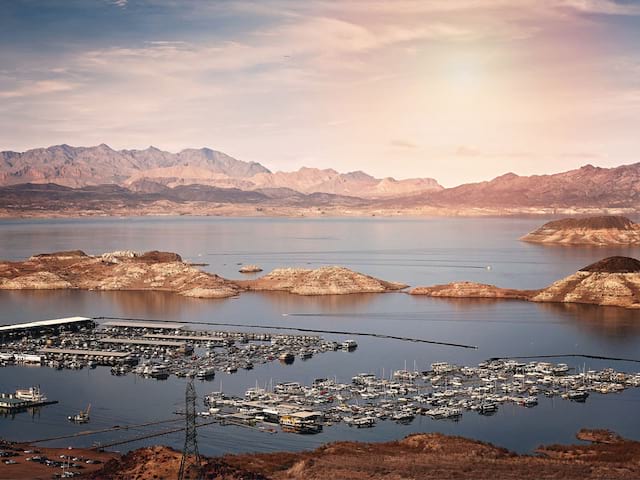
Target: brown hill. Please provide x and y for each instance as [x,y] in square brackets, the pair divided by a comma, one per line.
[472,290]
[598,231]
[614,265]
[613,281]
[126,270]
[585,187]
[418,456]
[321,281]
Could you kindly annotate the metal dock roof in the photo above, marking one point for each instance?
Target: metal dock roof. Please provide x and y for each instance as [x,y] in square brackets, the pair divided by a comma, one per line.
[135,341]
[44,323]
[141,324]
[94,353]
[201,338]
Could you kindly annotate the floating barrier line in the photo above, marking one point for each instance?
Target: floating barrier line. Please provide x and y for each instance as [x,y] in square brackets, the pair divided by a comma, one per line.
[148,435]
[300,329]
[567,355]
[104,430]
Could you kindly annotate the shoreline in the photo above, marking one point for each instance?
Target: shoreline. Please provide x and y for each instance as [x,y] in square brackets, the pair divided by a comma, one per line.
[253,211]
[597,454]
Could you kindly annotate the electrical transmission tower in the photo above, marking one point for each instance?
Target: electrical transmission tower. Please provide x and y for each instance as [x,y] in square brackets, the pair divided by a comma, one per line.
[190,455]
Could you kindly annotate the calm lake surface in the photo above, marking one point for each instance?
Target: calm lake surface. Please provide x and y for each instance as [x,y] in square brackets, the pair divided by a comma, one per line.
[413,251]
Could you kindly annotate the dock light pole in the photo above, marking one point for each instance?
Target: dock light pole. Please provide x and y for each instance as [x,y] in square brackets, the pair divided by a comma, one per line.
[190,455]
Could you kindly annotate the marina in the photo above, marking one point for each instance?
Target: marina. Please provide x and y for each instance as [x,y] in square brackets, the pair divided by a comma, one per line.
[134,347]
[121,397]
[445,392]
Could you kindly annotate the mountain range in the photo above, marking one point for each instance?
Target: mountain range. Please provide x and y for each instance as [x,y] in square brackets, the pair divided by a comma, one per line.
[65,178]
[140,170]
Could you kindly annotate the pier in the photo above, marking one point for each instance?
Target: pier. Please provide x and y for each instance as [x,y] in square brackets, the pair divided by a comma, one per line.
[41,327]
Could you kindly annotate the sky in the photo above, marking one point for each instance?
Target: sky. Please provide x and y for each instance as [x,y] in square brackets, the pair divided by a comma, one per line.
[457,90]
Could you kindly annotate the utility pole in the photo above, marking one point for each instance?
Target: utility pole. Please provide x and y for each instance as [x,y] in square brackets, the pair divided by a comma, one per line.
[190,455]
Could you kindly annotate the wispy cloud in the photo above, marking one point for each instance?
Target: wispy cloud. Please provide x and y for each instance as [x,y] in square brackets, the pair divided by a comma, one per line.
[404,144]
[606,7]
[430,82]
[41,87]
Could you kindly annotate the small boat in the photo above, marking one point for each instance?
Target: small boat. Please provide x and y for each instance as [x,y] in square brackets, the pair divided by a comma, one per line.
[349,345]
[80,417]
[487,408]
[286,357]
[577,395]
[206,373]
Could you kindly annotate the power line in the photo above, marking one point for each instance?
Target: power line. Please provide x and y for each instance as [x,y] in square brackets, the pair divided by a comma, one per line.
[190,455]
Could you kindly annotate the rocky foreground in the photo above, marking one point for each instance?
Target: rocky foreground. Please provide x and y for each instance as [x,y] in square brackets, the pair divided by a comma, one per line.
[597,231]
[165,271]
[613,281]
[420,456]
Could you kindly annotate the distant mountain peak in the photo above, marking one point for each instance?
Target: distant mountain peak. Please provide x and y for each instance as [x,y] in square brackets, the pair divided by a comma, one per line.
[151,170]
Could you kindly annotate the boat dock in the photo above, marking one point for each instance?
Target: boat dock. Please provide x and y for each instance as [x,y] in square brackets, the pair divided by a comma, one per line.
[40,327]
[158,349]
[143,324]
[82,353]
[142,341]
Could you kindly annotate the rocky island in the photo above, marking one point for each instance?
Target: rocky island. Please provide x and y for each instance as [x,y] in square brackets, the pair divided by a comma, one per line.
[321,281]
[124,270]
[613,281]
[598,231]
[472,290]
[166,271]
[422,455]
[250,269]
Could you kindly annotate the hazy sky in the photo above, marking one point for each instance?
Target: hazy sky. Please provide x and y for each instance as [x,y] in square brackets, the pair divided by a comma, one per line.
[459,90]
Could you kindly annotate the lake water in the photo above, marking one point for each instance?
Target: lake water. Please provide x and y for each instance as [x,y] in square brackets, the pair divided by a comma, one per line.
[413,251]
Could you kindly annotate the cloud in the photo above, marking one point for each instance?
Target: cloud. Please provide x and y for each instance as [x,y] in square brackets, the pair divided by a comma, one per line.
[463,151]
[580,155]
[41,87]
[119,3]
[405,144]
[605,7]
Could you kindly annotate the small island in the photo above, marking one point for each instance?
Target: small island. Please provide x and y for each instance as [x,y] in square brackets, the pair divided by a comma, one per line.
[167,272]
[613,281]
[606,230]
[321,281]
[250,269]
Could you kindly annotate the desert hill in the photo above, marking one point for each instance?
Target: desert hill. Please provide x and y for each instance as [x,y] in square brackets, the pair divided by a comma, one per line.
[422,455]
[612,281]
[585,187]
[166,271]
[599,231]
[321,281]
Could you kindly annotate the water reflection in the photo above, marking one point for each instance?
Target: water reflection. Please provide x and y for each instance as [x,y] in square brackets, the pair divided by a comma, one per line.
[287,302]
[616,323]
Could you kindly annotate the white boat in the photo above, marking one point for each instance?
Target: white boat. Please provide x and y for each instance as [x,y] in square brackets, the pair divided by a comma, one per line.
[206,373]
[349,345]
[32,394]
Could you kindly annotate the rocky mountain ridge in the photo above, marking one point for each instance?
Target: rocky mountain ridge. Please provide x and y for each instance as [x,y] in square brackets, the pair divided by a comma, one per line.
[86,166]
